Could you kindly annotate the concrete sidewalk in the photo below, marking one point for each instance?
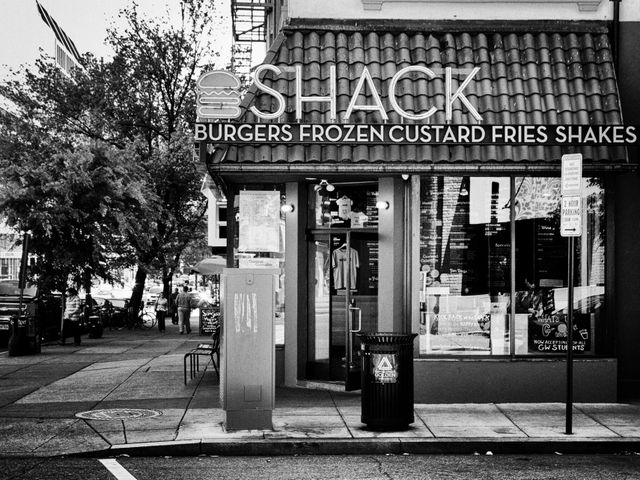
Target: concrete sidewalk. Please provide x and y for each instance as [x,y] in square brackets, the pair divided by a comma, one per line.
[132,382]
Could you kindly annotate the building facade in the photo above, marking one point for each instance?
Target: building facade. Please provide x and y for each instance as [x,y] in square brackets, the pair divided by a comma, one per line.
[370,183]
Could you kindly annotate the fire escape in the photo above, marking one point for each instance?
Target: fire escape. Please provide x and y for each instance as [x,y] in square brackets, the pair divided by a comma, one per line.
[249,23]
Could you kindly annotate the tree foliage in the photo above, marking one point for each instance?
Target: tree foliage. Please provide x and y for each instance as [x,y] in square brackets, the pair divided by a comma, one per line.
[113,143]
[74,200]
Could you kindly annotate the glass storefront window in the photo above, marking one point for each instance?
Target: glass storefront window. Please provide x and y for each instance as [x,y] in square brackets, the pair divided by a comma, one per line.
[541,269]
[466,229]
[464,265]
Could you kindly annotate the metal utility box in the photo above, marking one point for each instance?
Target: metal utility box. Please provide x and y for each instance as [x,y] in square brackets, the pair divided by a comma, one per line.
[247,350]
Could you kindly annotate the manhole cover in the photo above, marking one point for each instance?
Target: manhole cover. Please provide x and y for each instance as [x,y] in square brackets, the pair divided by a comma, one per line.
[118,414]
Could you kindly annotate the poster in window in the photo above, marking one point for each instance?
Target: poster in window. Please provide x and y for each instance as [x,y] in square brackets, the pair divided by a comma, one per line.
[548,333]
[259,229]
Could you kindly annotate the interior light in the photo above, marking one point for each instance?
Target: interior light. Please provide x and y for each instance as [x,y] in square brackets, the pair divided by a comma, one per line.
[287,208]
[382,205]
[330,188]
[321,186]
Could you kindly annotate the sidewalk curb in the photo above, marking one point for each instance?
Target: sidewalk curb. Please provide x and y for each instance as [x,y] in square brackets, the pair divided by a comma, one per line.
[394,446]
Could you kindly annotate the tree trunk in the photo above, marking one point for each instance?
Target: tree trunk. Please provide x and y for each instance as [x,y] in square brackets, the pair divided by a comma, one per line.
[136,294]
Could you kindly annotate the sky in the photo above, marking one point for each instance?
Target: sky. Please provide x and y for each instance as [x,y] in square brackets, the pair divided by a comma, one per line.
[22,31]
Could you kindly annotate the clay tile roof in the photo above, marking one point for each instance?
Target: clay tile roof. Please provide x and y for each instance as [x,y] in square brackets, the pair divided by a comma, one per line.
[524,78]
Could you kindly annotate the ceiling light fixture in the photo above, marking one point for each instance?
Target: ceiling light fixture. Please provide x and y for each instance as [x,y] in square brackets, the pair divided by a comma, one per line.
[324,187]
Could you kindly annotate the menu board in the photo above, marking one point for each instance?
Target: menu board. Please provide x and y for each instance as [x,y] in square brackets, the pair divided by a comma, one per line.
[430,228]
[373,249]
[209,320]
[370,208]
[551,254]
[448,242]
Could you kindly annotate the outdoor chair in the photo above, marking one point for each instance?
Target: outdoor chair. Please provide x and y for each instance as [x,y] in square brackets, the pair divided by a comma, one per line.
[207,349]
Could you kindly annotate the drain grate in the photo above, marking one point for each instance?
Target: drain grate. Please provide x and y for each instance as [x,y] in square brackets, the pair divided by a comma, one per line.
[118,414]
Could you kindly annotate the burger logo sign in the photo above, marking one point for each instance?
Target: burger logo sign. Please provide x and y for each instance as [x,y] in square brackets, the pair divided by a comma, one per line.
[218,95]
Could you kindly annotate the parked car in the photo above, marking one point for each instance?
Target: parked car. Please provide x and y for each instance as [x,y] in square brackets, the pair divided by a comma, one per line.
[41,312]
[113,311]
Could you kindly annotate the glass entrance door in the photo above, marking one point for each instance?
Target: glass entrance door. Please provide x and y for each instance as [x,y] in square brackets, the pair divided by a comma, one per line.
[343,301]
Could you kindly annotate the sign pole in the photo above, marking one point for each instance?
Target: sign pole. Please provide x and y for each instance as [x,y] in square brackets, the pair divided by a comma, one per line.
[569,412]
[571,227]
[22,278]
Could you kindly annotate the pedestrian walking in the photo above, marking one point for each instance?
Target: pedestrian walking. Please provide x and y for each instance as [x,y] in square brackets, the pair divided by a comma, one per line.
[174,307]
[183,302]
[72,313]
[161,310]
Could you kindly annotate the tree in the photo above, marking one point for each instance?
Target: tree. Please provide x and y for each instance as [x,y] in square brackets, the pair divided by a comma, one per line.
[151,89]
[72,199]
[140,104]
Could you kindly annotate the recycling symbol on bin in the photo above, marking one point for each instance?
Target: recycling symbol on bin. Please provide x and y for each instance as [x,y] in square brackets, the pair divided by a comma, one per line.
[384,368]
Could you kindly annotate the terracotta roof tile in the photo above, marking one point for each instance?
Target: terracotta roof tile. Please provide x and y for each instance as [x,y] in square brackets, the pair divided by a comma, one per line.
[279,153]
[329,153]
[418,47]
[378,153]
[297,48]
[524,78]
[371,41]
[328,48]
[611,103]
[403,52]
[344,154]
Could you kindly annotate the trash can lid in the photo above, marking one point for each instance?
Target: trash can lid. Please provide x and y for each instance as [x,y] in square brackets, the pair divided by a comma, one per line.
[387,338]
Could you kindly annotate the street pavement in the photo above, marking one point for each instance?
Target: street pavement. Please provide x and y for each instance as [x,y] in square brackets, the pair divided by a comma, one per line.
[132,383]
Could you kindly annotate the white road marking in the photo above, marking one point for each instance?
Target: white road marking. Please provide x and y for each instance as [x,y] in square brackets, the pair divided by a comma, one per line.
[116,469]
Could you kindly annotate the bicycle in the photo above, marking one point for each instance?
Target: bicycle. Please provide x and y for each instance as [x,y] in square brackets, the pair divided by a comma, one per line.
[144,320]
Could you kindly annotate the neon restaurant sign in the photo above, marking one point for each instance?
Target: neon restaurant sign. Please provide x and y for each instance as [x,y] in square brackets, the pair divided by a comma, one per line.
[218,98]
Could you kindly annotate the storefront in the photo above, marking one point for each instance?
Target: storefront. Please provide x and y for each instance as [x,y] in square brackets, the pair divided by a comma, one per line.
[408,179]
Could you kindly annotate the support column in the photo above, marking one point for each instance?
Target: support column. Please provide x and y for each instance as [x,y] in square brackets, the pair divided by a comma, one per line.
[391,315]
[295,330]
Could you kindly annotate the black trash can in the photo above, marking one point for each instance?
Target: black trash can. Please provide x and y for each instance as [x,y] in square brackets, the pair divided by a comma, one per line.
[387,380]
[24,336]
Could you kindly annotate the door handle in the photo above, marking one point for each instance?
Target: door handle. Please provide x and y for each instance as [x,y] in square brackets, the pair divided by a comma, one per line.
[351,309]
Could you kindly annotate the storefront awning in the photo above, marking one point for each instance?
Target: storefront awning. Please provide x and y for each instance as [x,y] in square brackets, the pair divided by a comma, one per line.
[210,266]
[559,77]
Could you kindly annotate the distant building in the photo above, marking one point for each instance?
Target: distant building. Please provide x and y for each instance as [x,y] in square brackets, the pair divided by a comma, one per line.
[9,254]
[29,29]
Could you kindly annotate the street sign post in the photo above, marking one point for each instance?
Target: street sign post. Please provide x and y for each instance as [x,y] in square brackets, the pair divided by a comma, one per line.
[570,227]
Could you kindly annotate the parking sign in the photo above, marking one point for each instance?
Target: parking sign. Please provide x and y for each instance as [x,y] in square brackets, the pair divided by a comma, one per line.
[571,216]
